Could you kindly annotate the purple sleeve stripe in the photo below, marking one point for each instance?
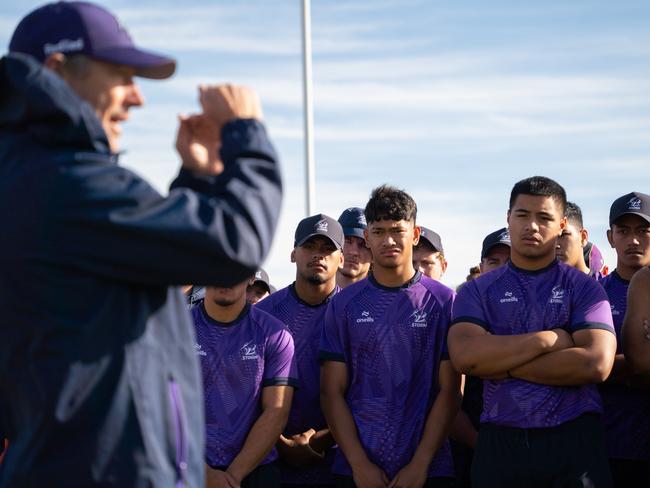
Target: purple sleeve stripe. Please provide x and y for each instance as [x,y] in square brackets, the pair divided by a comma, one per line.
[331,356]
[471,320]
[280,381]
[593,325]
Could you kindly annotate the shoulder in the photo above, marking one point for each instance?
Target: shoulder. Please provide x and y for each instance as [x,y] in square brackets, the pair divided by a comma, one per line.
[346,295]
[440,291]
[265,322]
[641,278]
[273,300]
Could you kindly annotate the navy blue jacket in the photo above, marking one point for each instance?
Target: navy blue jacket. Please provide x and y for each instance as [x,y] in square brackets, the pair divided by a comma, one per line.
[99,380]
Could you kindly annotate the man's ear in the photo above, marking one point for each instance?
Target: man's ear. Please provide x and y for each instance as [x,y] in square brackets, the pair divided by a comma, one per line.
[293,256]
[584,237]
[609,238]
[563,224]
[416,234]
[55,62]
[365,237]
[341,260]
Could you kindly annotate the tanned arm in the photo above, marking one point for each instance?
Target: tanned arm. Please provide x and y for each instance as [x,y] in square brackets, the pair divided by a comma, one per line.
[636,325]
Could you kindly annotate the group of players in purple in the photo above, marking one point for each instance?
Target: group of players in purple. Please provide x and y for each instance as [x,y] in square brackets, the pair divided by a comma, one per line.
[353,375]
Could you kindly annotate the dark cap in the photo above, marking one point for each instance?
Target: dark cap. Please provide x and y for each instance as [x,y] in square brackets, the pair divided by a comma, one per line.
[634,203]
[319,225]
[432,238]
[262,276]
[501,236]
[85,28]
[353,221]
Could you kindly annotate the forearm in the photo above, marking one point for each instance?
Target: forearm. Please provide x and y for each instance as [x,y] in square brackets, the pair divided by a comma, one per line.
[490,355]
[259,442]
[636,344]
[439,421]
[569,367]
[463,431]
[342,427]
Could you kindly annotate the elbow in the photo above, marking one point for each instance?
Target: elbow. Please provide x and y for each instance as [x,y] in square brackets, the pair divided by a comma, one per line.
[599,368]
[462,362]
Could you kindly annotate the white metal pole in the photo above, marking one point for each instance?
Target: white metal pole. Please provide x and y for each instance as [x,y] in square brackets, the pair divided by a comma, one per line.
[310,166]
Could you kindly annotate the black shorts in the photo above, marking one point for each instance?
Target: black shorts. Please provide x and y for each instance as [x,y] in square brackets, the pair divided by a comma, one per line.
[570,455]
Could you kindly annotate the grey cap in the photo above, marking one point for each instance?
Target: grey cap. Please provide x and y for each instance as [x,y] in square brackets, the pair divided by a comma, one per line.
[319,225]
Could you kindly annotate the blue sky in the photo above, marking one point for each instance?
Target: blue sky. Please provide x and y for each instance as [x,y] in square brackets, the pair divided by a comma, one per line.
[452,101]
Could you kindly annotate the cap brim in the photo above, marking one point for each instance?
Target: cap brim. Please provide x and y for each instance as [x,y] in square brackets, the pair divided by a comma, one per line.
[146,64]
[305,239]
[640,214]
[353,231]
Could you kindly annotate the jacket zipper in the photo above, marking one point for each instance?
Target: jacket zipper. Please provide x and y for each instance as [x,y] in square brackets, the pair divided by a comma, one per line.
[176,403]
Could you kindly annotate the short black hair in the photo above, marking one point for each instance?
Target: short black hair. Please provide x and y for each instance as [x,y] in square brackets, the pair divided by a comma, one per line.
[573,214]
[539,186]
[389,203]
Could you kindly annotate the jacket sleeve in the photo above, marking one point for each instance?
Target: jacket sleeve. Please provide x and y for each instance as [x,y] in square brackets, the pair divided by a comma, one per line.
[216,230]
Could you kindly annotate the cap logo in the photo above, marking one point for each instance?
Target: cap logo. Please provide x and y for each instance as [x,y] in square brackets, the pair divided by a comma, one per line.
[322,226]
[63,46]
[258,275]
[504,236]
[634,203]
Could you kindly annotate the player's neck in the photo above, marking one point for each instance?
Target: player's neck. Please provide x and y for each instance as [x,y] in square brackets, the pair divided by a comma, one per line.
[314,293]
[582,266]
[393,277]
[531,264]
[626,272]
[224,313]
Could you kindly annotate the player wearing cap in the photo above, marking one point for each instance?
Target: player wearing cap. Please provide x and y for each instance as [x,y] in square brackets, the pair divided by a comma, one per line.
[101,382]
[259,289]
[248,378]
[357,257]
[540,333]
[428,255]
[495,250]
[627,405]
[305,447]
[388,390]
[570,245]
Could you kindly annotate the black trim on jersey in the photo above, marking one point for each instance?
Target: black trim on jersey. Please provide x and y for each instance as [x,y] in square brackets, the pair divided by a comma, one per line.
[471,320]
[412,281]
[280,381]
[292,290]
[593,326]
[330,356]
[619,277]
[212,321]
[513,267]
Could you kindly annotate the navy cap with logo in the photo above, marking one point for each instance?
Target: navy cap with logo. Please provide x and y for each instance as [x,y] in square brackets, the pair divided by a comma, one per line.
[353,221]
[262,276]
[85,28]
[496,238]
[634,203]
[433,238]
[319,225]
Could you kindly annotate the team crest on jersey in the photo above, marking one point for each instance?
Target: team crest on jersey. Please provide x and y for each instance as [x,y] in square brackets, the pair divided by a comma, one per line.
[508,297]
[419,318]
[557,295]
[634,203]
[199,350]
[322,226]
[365,318]
[249,351]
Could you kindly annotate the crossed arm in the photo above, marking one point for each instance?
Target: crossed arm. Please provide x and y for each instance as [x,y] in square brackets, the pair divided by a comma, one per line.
[551,357]
[276,403]
[334,383]
[636,325]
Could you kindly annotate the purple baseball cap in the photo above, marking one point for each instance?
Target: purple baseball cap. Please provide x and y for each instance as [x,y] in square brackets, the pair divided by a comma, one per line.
[85,28]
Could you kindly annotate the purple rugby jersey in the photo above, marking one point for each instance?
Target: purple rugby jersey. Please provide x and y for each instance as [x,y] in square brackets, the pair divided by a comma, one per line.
[627,410]
[305,322]
[238,359]
[511,301]
[392,341]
